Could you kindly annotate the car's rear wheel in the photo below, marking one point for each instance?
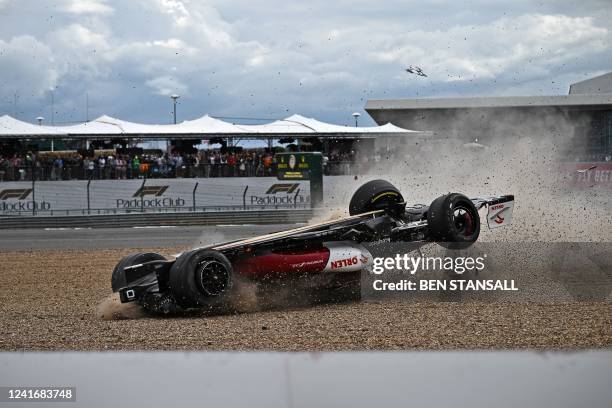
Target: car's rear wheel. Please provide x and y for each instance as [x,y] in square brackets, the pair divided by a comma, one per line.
[453,221]
[374,195]
[118,280]
[201,277]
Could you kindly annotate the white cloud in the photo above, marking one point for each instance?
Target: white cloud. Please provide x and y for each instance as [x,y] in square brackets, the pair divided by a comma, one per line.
[527,45]
[81,52]
[198,21]
[27,67]
[77,36]
[176,9]
[167,85]
[88,7]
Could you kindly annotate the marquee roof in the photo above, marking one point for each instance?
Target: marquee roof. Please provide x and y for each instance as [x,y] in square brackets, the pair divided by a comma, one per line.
[204,127]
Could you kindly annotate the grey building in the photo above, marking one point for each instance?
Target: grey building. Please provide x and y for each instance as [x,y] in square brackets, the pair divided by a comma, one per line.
[583,117]
[599,85]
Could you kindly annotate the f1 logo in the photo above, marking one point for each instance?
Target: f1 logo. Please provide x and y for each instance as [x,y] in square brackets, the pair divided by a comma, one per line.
[150,190]
[18,193]
[282,188]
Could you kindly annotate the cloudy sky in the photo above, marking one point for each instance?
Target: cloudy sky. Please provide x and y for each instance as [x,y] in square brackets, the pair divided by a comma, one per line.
[272,58]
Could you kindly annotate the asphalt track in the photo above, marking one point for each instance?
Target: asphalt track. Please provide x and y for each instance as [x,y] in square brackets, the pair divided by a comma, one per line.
[133,237]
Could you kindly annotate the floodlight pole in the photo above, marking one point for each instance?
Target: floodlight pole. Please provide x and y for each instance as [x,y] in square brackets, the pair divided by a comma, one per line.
[356,115]
[52,109]
[174,98]
[39,119]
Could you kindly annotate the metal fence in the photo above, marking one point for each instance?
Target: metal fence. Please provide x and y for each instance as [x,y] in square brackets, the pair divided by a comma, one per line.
[154,171]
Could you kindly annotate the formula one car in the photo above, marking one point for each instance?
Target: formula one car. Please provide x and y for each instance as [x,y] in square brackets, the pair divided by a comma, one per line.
[205,277]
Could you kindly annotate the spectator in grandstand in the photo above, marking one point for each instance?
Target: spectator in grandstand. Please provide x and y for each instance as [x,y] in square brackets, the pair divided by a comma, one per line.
[135,167]
[4,168]
[57,169]
[101,163]
[242,167]
[90,167]
[120,168]
[104,165]
[267,163]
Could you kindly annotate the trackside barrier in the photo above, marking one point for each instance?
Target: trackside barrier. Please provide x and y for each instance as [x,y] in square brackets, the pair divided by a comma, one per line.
[139,210]
[157,219]
[61,198]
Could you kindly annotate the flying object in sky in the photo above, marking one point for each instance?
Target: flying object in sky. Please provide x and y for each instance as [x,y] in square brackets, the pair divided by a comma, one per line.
[413,69]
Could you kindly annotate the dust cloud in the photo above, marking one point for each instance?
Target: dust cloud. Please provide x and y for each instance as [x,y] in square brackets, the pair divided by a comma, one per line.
[517,158]
[111,308]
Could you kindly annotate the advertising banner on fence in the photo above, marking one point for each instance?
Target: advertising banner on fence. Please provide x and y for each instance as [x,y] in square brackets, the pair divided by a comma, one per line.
[587,174]
[72,197]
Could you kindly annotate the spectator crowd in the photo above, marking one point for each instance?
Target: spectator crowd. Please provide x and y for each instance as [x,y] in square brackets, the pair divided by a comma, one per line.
[110,165]
[157,164]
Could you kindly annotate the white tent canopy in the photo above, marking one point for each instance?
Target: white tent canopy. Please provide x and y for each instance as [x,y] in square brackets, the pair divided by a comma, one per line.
[13,127]
[205,126]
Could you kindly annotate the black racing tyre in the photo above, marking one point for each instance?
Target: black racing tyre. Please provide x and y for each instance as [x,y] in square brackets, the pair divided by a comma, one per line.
[201,277]
[118,277]
[374,195]
[453,221]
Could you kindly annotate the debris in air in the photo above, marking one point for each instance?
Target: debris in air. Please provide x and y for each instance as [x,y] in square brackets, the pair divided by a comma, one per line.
[413,69]
[585,170]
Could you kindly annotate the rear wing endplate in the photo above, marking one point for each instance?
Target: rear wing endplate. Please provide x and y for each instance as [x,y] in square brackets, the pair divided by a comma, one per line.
[499,209]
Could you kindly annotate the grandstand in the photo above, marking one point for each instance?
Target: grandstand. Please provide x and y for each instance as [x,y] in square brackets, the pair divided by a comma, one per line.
[105,148]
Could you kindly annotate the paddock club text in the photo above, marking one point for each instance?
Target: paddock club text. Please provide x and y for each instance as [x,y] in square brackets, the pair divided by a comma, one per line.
[156,202]
[164,202]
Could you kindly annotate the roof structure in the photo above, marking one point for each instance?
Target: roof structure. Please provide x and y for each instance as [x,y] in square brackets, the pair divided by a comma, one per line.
[596,85]
[204,127]
[12,126]
[297,124]
[572,100]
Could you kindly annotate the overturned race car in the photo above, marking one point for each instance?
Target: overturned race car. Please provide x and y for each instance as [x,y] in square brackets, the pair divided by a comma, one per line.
[207,277]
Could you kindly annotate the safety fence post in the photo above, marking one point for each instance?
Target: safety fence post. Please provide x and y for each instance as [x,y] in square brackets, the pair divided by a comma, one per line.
[142,194]
[88,200]
[244,197]
[33,195]
[194,195]
[295,198]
